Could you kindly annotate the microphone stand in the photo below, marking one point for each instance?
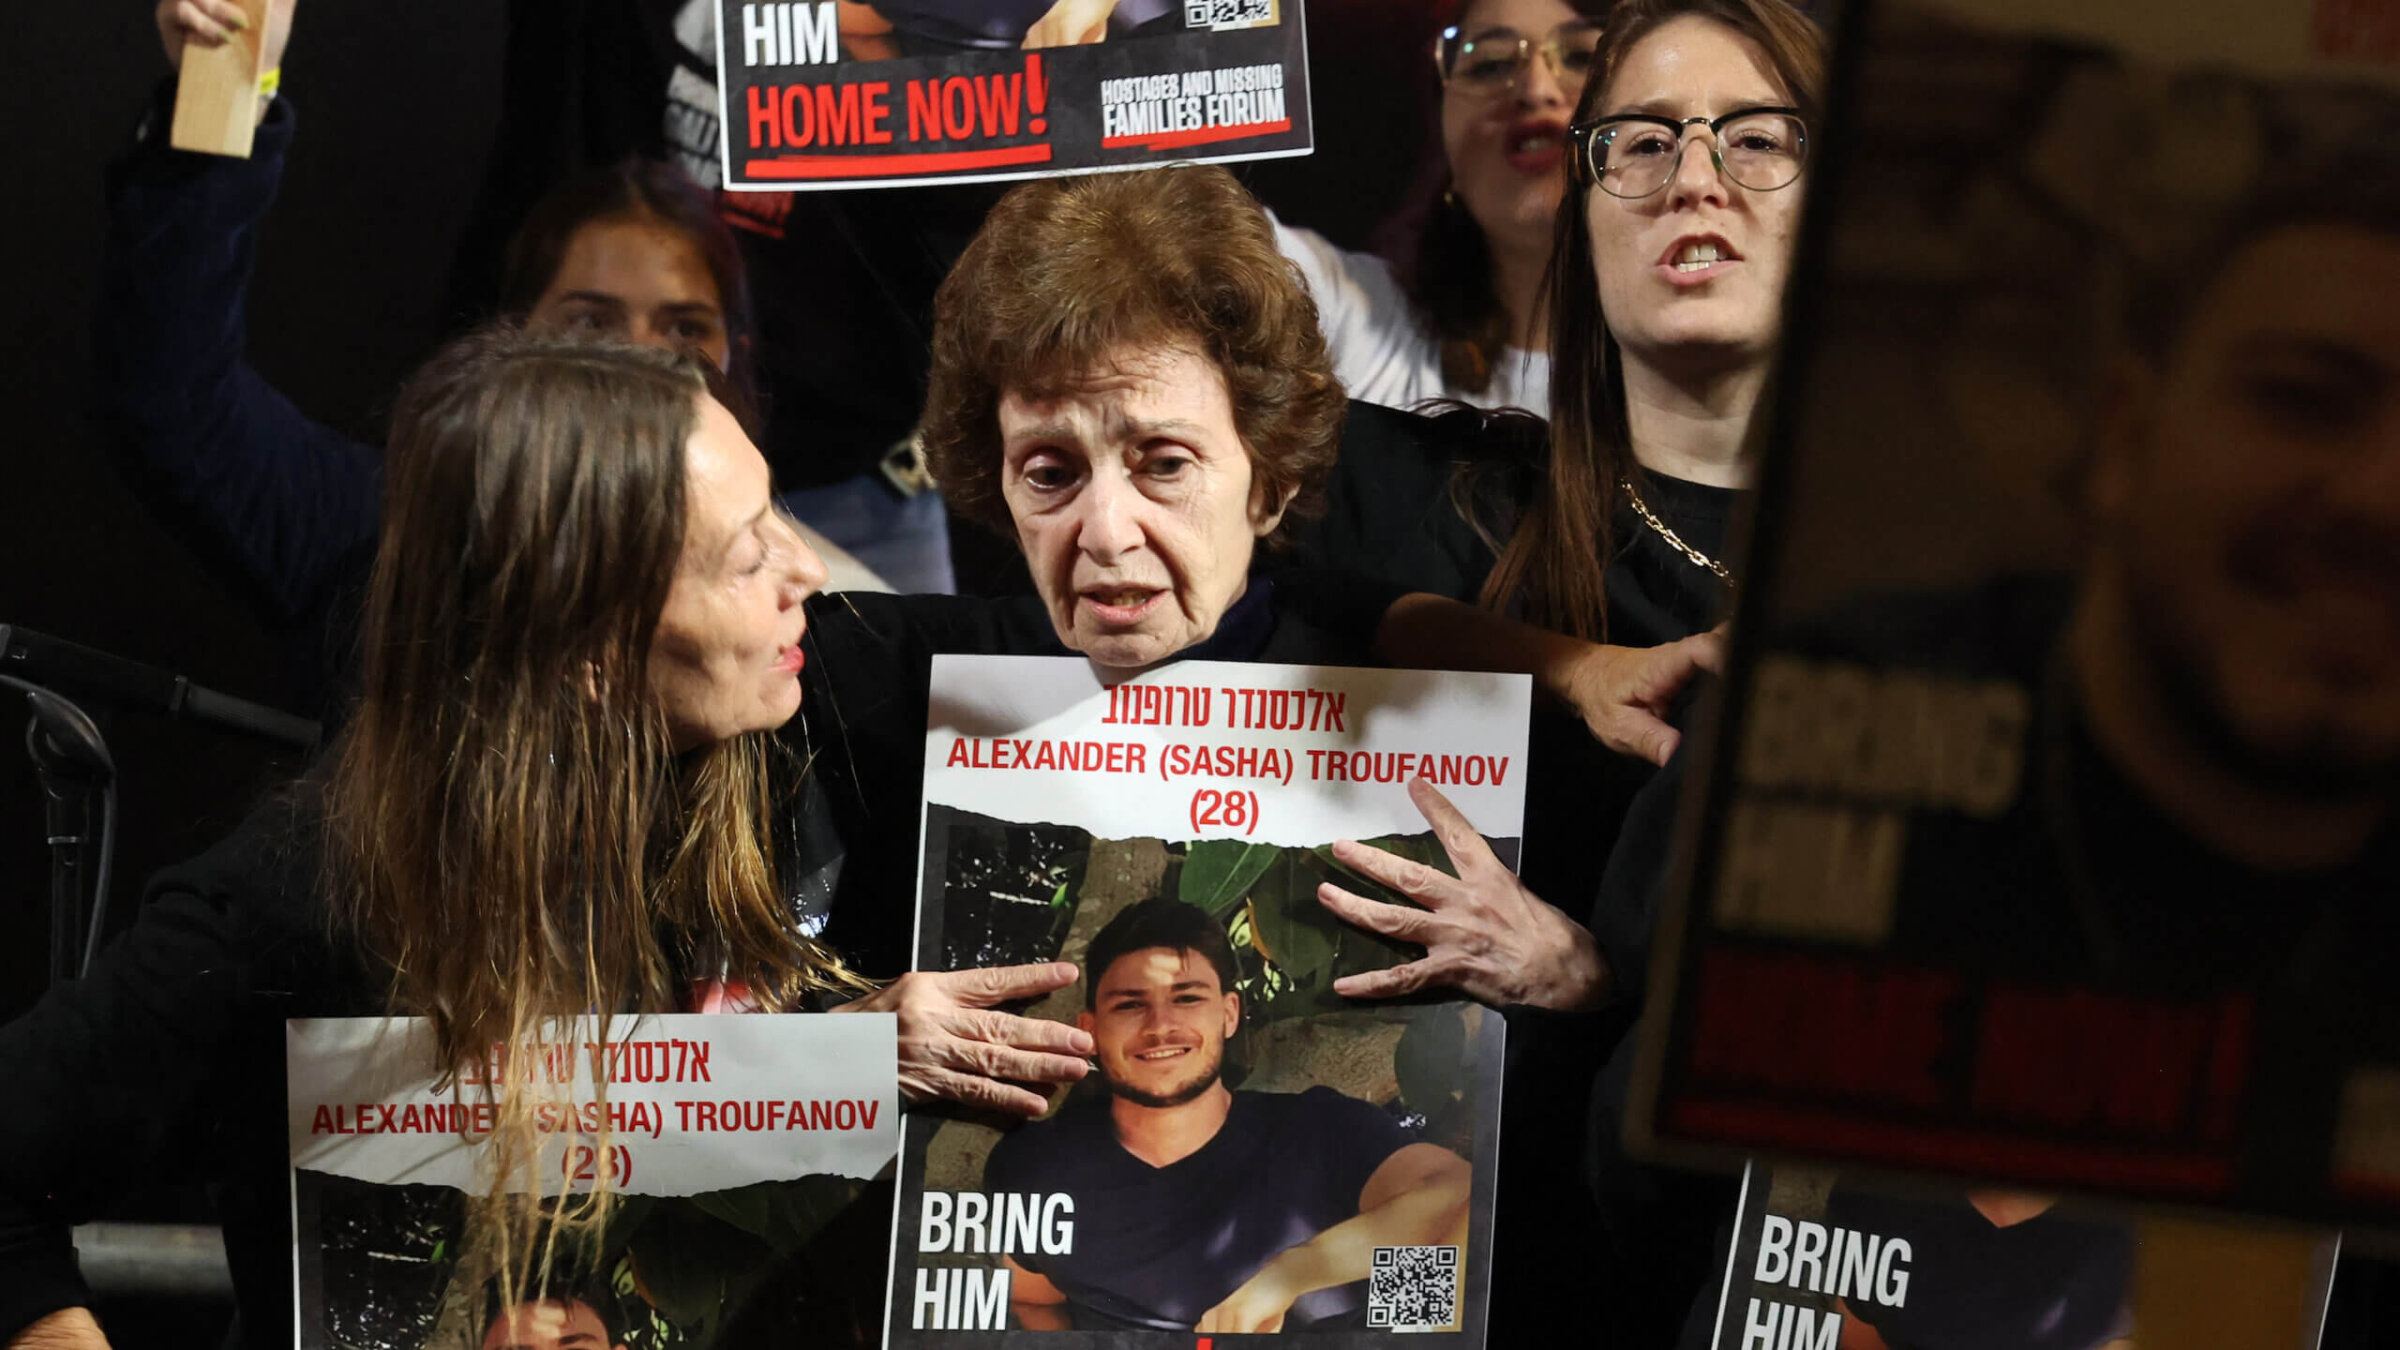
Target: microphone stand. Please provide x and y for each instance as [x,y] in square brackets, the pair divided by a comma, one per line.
[72,760]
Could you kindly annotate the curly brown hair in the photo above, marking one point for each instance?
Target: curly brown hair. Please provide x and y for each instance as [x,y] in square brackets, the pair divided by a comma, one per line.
[1067,274]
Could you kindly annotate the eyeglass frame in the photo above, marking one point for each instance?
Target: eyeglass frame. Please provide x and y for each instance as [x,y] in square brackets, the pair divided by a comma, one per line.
[1527,48]
[1583,135]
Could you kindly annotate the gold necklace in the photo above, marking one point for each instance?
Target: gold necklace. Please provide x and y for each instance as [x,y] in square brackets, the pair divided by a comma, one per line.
[1674,541]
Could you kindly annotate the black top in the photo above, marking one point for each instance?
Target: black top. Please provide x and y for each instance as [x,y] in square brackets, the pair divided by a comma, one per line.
[1655,593]
[1423,501]
[1156,1247]
[166,1064]
[1417,502]
[2051,1282]
[1408,492]
[1577,792]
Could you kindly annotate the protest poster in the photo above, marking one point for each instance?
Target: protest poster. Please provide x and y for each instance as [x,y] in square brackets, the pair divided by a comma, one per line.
[1252,1152]
[2046,836]
[900,92]
[1818,1260]
[737,1149]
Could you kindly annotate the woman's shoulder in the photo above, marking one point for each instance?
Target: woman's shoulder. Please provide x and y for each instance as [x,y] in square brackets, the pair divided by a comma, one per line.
[1444,432]
[263,890]
[1490,459]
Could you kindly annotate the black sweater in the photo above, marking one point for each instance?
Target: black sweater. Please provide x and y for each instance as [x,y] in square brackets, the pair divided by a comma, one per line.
[283,508]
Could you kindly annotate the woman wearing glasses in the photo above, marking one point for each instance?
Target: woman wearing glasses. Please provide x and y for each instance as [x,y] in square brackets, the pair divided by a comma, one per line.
[1673,241]
[1687,158]
[1672,246]
[1461,318]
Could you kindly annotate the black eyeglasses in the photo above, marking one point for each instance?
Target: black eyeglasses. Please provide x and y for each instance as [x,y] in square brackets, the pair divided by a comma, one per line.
[1495,62]
[1634,154]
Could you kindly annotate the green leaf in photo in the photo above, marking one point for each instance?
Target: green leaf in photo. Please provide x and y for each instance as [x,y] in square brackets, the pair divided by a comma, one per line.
[1300,936]
[1217,873]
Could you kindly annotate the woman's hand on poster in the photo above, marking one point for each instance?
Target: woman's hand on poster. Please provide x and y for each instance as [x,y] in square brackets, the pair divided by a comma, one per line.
[1071,23]
[66,1329]
[213,23]
[1624,693]
[955,1046]
[1484,934]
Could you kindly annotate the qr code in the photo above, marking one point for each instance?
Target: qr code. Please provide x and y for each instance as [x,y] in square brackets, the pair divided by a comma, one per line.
[1226,13]
[1413,1289]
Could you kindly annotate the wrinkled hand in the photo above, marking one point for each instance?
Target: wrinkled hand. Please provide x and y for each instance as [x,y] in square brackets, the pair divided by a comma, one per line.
[1258,1306]
[1623,693]
[213,23]
[66,1329]
[1070,23]
[1484,934]
[952,1046]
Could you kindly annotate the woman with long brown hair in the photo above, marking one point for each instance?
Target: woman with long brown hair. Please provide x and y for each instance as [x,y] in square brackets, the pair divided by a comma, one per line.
[1666,295]
[561,792]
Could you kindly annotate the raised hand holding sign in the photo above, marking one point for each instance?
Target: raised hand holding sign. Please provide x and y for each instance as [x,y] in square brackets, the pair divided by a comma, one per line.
[220,48]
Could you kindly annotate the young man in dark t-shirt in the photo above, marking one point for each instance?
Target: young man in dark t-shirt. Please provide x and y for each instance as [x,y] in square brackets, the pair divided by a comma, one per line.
[1198,1207]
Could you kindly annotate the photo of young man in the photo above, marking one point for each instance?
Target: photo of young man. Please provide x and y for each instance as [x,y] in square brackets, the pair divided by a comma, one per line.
[2200,803]
[1199,1207]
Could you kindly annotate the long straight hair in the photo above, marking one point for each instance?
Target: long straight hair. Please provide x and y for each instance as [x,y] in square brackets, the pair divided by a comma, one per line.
[1553,570]
[509,830]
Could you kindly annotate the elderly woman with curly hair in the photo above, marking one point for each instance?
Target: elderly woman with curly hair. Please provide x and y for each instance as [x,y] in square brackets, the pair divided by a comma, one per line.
[1129,379]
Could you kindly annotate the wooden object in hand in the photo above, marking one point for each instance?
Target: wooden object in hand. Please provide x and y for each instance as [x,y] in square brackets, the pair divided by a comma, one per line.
[216,93]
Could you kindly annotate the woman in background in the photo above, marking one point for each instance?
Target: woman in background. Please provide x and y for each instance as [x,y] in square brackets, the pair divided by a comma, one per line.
[1673,241]
[1461,317]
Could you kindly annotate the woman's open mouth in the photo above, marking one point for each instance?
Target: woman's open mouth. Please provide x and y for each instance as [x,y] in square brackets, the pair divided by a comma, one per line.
[791,659]
[1122,606]
[1697,258]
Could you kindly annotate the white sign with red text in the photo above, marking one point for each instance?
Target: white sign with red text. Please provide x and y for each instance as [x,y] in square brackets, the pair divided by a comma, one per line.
[675,1104]
[1269,754]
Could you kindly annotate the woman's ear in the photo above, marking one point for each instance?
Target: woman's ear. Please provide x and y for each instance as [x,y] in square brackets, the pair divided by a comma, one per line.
[1267,505]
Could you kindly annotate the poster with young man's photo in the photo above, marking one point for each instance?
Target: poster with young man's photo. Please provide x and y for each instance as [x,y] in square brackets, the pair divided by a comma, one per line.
[2050,834]
[1251,1151]
[738,1155]
[846,93]
[1816,1260]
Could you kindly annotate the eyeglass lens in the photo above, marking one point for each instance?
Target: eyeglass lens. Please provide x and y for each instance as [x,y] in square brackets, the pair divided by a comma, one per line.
[1492,61]
[1761,152]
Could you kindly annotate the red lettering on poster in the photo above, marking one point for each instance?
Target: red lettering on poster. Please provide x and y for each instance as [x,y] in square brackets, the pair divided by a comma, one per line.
[1824,1027]
[2138,1068]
